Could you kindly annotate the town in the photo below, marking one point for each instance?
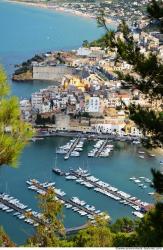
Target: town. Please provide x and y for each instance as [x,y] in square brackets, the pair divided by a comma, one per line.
[85,94]
[115,10]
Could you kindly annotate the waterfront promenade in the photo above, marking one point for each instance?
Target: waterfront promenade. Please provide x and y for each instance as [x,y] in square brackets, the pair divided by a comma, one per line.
[87,135]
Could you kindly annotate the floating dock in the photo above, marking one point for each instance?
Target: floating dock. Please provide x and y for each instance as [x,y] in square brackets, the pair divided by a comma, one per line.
[64,200]
[23,211]
[97,154]
[108,190]
[67,155]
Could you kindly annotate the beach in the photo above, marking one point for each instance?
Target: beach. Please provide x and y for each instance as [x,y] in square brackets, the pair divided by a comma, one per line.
[61,9]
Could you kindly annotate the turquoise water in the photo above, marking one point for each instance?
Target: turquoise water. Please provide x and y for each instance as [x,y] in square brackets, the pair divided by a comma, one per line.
[37,161]
[25,31]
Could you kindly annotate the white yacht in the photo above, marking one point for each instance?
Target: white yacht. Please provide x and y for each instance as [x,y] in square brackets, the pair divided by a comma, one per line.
[75,153]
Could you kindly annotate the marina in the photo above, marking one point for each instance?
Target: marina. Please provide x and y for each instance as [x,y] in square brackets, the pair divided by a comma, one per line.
[84,178]
[142,182]
[101,149]
[74,203]
[11,204]
[72,148]
[124,161]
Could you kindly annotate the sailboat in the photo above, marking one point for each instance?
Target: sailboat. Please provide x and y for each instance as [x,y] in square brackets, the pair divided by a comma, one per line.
[57,170]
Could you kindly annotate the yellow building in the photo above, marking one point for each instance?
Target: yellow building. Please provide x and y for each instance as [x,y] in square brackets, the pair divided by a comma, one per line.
[72,80]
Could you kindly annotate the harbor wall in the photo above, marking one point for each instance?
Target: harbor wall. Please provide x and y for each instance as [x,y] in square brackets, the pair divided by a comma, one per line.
[51,72]
[62,122]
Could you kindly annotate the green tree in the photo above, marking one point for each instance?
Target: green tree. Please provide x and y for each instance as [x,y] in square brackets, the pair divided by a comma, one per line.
[85,43]
[123,225]
[157,181]
[150,228]
[95,235]
[155,9]
[149,81]
[14,133]
[48,233]
[5,240]
[125,239]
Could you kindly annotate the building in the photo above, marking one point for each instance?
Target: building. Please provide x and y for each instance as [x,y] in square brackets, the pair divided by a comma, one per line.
[92,104]
[51,73]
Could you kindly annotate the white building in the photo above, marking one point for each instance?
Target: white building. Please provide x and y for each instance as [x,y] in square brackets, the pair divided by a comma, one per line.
[92,104]
[36,100]
[83,52]
[25,107]
[110,128]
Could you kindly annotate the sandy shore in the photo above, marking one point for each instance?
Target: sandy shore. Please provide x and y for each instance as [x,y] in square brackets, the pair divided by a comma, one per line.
[60,9]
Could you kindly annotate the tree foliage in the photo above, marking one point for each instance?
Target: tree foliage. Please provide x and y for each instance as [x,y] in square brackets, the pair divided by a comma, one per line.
[48,234]
[14,133]
[149,74]
[95,235]
[150,228]
[5,240]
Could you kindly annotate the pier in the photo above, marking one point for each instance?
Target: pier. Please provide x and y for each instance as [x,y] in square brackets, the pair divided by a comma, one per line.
[21,211]
[97,154]
[130,202]
[74,230]
[96,185]
[72,148]
[68,201]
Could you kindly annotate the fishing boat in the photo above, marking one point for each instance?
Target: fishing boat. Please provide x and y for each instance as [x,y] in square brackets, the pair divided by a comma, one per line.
[141,156]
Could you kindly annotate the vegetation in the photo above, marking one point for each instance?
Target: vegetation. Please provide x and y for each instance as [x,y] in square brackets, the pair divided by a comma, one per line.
[4,239]
[95,235]
[47,234]
[14,133]
[155,11]
[42,121]
[148,75]
[147,232]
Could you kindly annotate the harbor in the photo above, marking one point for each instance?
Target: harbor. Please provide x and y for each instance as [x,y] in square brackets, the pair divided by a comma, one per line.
[77,205]
[72,148]
[10,204]
[124,161]
[101,149]
[84,178]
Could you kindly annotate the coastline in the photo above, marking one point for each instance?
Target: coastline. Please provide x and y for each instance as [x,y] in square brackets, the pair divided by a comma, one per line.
[60,9]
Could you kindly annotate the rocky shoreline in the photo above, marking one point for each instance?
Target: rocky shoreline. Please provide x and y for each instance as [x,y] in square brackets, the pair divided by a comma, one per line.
[49,64]
[27,76]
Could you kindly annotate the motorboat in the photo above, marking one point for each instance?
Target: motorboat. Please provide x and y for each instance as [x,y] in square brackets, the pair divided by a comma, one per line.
[61,151]
[66,157]
[58,171]
[137,181]
[138,214]
[75,153]
[136,142]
